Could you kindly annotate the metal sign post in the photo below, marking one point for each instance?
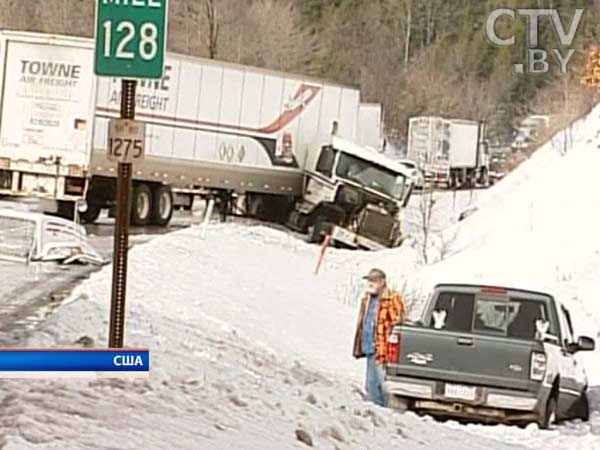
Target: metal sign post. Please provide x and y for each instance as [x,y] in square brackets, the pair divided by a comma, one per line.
[130,42]
[121,239]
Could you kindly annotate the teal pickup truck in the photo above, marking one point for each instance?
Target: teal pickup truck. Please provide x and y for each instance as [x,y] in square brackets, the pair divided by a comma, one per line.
[489,354]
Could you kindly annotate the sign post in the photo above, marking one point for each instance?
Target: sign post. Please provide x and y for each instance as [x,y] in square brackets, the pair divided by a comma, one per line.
[130,43]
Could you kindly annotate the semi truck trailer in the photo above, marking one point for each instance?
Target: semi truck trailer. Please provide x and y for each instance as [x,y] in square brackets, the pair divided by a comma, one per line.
[245,135]
[47,98]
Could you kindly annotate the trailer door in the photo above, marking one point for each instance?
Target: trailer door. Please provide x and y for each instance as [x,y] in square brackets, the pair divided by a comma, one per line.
[47,102]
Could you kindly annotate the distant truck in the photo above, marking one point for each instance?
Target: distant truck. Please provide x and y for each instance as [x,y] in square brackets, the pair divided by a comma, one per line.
[500,166]
[491,354]
[452,153]
[530,132]
[244,135]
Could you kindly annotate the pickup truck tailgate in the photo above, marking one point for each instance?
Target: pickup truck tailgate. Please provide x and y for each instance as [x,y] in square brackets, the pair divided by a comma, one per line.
[463,358]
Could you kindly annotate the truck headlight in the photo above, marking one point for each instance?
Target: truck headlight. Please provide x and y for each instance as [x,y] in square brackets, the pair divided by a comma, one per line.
[538,366]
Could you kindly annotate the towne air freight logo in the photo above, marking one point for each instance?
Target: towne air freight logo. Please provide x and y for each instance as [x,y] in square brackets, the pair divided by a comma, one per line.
[50,73]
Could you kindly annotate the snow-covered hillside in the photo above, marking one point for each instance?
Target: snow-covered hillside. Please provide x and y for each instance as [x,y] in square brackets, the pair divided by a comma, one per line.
[248,345]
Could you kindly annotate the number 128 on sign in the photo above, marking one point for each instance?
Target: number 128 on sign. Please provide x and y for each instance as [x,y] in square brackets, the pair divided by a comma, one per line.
[130,38]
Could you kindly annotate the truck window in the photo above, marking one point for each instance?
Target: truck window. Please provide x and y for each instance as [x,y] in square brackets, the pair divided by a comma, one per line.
[326,160]
[453,312]
[518,318]
[371,175]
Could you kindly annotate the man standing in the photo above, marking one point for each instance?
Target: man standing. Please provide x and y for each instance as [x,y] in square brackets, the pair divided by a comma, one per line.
[381,308]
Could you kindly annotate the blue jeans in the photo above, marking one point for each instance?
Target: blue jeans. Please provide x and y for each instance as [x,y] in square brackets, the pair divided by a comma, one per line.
[375,386]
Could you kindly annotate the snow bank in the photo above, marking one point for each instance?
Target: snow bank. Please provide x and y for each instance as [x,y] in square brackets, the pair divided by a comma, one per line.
[248,347]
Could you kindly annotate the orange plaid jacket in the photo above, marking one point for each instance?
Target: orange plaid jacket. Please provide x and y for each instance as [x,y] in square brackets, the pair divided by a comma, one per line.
[392,310]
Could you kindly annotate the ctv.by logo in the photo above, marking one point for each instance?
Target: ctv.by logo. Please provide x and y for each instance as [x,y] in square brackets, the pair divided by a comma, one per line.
[536,58]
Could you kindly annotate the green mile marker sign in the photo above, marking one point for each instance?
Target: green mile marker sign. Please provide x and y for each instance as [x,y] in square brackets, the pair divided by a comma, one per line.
[131,37]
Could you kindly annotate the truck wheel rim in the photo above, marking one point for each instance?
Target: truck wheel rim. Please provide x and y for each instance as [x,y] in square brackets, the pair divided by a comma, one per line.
[164,205]
[143,205]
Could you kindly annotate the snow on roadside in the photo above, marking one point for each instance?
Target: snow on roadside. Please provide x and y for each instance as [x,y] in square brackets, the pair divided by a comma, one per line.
[225,345]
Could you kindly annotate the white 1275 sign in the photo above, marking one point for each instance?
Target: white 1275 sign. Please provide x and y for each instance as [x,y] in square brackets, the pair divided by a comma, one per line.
[126,139]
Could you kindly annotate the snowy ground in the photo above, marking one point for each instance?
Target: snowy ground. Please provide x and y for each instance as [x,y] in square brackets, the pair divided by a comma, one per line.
[248,345]
[248,382]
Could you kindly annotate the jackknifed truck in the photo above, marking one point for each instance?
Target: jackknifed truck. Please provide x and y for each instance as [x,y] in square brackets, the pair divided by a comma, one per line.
[250,137]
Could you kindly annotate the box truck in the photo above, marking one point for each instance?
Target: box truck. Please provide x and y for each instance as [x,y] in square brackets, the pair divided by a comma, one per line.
[239,133]
[451,152]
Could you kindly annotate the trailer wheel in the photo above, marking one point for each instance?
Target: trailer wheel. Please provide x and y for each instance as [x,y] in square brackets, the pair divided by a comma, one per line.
[255,206]
[141,205]
[485,178]
[162,206]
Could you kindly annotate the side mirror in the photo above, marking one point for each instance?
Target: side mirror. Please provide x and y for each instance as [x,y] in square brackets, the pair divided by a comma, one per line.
[585,344]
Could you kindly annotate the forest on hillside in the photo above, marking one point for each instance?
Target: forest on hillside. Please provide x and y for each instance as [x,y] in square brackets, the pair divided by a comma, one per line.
[415,57]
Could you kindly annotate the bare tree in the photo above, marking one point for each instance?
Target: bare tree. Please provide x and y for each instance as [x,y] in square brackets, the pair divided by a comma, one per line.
[212,37]
[565,100]
[424,222]
[269,34]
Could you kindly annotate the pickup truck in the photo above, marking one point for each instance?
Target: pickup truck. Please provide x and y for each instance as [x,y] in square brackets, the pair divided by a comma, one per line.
[489,354]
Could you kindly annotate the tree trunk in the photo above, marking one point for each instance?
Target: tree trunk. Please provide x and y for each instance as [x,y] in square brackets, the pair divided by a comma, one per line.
[408,34]
[213,28]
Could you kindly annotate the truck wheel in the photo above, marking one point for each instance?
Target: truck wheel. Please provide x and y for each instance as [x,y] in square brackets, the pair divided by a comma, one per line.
[162,206]
[91,214]
[582,408]
[549,416]
[297,221]
[256,206]
[141,205]
[485,178]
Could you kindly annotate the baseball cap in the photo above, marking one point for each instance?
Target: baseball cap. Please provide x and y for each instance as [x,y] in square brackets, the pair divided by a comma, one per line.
[375,274]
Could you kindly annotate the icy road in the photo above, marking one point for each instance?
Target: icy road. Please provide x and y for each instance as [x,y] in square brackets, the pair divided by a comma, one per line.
[249,346]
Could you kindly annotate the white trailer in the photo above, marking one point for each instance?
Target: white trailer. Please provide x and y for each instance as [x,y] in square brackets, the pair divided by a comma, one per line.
[451,152]
[46,119]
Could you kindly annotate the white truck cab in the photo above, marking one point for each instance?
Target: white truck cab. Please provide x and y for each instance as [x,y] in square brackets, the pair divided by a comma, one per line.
[355,195]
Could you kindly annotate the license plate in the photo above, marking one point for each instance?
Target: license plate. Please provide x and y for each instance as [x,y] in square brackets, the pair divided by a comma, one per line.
[460,392]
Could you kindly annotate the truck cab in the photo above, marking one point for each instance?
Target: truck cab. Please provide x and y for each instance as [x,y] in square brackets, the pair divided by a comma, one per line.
[353,195]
